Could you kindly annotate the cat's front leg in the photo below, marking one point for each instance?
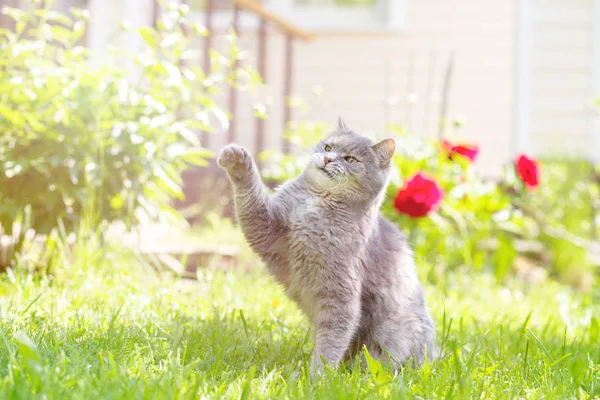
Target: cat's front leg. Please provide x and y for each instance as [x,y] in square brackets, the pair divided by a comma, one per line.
[238,163]
[260,218]
[336,324]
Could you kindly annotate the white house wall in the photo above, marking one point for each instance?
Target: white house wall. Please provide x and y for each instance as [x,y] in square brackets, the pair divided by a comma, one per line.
[562,79]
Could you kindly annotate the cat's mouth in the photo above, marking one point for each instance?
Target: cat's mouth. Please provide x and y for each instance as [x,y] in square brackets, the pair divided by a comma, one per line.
[328,173]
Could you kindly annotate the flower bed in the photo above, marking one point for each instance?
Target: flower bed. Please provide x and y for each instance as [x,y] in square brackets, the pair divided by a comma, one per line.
[540,214]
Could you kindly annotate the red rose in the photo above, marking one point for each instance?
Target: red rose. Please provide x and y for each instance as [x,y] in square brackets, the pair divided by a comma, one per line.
[466,150]
[419,196]
[446,145]
[528,170]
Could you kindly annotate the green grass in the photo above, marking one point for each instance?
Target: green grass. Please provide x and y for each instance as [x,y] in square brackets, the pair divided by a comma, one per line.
[106,327]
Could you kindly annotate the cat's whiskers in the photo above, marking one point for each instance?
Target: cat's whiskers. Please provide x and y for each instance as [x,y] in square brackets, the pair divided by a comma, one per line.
[340,181]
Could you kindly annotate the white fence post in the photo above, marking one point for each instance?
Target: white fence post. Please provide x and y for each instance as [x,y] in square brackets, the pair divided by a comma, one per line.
[594,149]
[524,71]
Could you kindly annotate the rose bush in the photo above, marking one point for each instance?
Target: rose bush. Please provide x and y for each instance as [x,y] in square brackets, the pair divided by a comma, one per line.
[503,224]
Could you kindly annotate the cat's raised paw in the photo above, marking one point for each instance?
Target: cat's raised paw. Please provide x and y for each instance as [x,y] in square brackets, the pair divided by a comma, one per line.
[235,159]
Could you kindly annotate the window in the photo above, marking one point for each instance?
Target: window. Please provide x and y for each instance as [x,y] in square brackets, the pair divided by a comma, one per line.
[200,5]
[218,5]
[347,15]
[344,3]
[321,15]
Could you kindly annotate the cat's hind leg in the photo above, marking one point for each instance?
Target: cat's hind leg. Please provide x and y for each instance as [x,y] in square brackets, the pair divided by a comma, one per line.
[410,340]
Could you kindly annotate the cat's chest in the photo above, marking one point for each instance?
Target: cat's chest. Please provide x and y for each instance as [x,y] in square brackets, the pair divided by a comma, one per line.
[311,222]
[320,241]
[318,234]
[307,213]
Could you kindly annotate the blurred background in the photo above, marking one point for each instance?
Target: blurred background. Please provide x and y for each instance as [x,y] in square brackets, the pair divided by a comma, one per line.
[117,109]
[520,76]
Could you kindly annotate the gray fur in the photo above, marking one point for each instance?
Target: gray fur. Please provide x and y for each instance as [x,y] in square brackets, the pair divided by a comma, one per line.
[348,268]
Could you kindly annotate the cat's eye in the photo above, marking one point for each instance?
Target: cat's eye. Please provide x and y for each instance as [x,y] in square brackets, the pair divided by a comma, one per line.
[327,147]
[350,159]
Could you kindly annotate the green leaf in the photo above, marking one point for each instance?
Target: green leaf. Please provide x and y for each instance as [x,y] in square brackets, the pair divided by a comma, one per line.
[79,13]
[200,29]
[594,331]
[221,116]
[167,183]
[379,375]
[149,35]
[178,150]
[198,160]
[260,110]
[15,13]
[504,257]
[171,216]
[173,73]
[247,385]
[54,16]
[33,122]
[29,351]
[170,39]
[190,136]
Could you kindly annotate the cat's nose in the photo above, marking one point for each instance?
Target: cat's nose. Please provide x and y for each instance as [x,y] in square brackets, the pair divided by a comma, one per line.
[327,160]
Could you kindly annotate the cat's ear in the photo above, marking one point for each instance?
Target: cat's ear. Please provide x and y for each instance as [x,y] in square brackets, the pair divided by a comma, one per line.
[385,150]
[341,125]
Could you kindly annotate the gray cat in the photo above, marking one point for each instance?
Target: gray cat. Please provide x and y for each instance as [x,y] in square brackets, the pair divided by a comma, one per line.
[348,268]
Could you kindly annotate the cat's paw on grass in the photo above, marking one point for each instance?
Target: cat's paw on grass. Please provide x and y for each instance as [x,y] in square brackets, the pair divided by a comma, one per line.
[236,160]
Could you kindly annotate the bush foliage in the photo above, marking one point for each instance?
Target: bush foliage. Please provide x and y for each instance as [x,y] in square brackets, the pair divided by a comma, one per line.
[109,137]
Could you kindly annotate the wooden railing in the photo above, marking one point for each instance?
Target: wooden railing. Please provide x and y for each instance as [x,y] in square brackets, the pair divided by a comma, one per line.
[291,32]
[266,18]
[285,27]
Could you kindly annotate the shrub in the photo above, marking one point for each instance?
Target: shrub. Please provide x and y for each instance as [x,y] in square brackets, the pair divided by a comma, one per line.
[69,130]
[109,138]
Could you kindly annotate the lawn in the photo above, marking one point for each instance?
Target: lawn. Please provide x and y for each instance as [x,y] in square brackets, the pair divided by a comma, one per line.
[105,326]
